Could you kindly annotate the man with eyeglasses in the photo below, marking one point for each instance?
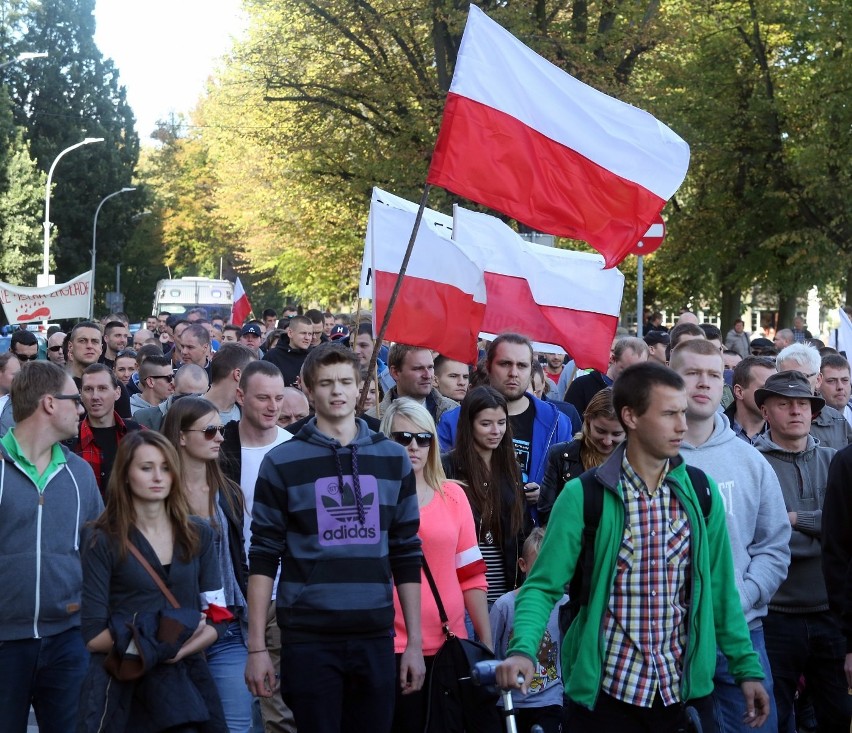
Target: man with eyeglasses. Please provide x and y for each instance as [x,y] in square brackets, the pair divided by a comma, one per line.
[156,382]
[49,495]
[24,345]
[190,379]
[102,429]
[55,352]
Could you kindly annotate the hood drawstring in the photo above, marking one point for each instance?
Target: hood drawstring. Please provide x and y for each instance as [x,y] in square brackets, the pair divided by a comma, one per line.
[2,477]
[77,523]
[356,480]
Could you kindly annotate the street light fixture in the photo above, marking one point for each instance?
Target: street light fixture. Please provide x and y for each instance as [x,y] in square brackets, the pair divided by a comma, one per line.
[45,277]
[24,57]
[95,247]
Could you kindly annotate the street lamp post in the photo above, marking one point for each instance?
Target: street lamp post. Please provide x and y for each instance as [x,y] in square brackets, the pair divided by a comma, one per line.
[46,263]
[95,247]
[24,57]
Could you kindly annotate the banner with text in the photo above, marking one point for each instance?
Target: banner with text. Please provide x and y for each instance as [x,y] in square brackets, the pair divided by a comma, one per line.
[67,300]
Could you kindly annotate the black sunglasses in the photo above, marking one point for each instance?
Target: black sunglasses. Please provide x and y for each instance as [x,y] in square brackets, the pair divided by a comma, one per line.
[167,377]
[75,397]
[209,432]
[55,348]
[24,358]
[403,437]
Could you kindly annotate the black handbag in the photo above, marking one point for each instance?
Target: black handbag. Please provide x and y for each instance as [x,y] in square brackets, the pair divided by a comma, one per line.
[455,703]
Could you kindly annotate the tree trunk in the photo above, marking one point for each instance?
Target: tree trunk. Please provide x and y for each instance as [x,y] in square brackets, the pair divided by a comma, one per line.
[731,308]
[786,310]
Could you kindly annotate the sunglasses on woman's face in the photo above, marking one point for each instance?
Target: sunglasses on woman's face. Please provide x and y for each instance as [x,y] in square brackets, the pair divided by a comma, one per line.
[209,432]
[403,437]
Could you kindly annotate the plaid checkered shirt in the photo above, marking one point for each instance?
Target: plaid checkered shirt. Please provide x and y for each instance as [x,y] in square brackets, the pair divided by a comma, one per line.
[645,621]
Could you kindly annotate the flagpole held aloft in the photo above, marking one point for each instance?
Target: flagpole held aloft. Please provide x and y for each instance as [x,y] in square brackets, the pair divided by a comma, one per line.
[396,288]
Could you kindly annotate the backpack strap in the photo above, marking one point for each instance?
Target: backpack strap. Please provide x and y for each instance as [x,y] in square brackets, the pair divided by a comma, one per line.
[592,510]
[701,487]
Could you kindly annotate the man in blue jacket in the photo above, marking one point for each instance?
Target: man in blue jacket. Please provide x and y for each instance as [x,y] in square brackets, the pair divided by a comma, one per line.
[536,425]
[48,494]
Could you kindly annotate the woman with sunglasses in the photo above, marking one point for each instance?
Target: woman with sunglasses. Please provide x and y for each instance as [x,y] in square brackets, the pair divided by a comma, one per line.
[484,463]
[449,547]
[600,436]
[146,511]
[193,426]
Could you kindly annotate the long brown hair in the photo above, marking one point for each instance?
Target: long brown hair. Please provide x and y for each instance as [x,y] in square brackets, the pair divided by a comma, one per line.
[599,406]
[482,482]
[119,514]
[180,417]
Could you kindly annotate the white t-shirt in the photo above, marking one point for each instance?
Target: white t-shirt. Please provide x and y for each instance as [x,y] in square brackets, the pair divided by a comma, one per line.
[250,459]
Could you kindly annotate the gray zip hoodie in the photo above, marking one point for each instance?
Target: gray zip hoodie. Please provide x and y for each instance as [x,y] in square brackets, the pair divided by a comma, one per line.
[803,477]
[754,511]
[41,575]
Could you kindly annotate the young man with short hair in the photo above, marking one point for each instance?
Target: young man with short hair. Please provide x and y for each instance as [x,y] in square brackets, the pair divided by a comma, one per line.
[662,593]
[156,380]
[102,429]
[340,498]
[225,371]
[743,414]
[49,495]
[289,354]
[835,387]
[757,521]
[115,340]
[24,345]
[452,378]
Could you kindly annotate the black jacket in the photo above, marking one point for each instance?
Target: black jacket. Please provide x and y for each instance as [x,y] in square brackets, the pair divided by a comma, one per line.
[563,464]
[167,696]
[288,359]
[583,388]
[837,540]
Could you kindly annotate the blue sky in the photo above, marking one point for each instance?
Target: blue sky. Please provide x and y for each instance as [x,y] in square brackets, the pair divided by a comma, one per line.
[165,50]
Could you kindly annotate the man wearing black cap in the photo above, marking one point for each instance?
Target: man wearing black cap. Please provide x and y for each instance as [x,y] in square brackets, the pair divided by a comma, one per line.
[658,343]
[802,636]
[252,336]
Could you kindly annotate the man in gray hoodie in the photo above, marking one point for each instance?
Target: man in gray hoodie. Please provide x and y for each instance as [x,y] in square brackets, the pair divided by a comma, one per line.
[754,512]
[802,636]
[47,494]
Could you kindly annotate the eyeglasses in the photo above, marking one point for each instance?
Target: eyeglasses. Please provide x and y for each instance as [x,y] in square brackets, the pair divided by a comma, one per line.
[209,432]
[55,348]
[167,377]
[24,358]
[403,437]
[126,352]
[75,397]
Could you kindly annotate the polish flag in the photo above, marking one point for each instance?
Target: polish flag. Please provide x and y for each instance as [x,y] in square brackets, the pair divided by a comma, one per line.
[242,307]
[442,301]
[551,295]
[525,138]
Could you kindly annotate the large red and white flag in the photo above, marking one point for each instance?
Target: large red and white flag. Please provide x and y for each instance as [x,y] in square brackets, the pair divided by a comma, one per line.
[242,307]
[527,139]
[551,295]
[442,301]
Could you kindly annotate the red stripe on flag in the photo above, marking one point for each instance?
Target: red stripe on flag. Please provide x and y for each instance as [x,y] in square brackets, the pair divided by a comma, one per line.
[587,336]
[430,314]
[494,159]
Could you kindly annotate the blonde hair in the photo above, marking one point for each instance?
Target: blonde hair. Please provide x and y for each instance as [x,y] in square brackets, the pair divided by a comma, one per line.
[433,471]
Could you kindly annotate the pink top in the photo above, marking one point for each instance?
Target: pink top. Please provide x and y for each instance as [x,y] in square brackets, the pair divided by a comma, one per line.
[449,542]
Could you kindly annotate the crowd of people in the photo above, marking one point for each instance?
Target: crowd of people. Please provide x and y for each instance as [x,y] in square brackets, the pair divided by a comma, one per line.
[222,527]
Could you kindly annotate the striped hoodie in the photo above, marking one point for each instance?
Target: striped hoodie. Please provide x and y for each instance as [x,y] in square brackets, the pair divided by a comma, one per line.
[343,520]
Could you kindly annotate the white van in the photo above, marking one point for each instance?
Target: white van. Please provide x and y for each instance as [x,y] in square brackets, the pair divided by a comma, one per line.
[183,294]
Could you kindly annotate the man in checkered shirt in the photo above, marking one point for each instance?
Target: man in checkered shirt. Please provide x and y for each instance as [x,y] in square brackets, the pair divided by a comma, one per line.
[662,593]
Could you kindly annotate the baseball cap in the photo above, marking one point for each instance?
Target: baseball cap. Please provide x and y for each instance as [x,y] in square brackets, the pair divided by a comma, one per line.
[251,329]
[652,338]
[338,332]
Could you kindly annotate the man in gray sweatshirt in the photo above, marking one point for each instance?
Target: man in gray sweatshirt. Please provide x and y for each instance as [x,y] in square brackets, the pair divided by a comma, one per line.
[802,636]
[47,494]
[758,527]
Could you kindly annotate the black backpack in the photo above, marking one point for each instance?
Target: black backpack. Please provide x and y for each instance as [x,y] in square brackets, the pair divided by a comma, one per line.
[580,586]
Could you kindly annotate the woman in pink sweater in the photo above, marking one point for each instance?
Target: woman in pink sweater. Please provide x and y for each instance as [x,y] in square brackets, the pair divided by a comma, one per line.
[449,546]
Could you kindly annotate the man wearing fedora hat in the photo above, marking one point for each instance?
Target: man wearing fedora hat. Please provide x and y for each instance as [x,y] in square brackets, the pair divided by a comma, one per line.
[802,636]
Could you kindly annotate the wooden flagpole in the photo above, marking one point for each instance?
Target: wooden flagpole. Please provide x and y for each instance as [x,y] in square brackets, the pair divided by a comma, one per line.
[396,288]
